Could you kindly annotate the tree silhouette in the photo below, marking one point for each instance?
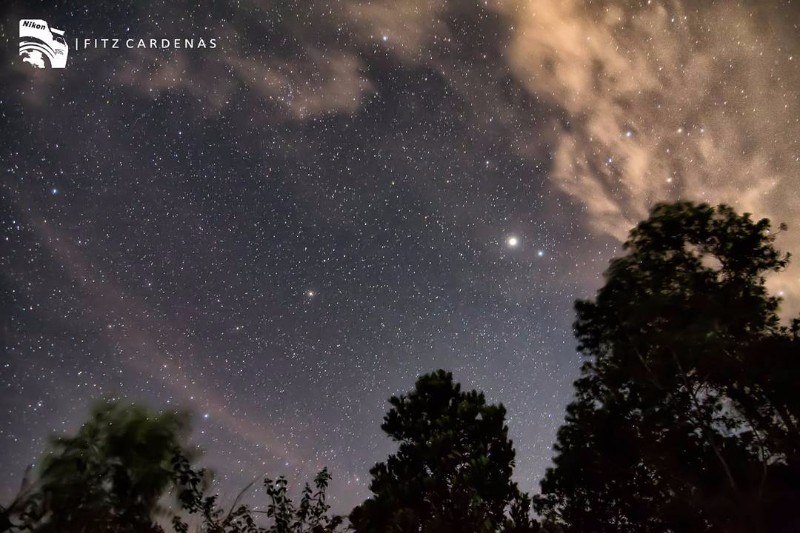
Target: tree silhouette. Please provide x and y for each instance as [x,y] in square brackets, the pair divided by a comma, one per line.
[452,471]
[685,417]
[312,515]
[108,477]
[112,474]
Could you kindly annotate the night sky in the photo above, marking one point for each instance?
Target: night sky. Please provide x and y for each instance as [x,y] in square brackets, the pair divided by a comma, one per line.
[281,232]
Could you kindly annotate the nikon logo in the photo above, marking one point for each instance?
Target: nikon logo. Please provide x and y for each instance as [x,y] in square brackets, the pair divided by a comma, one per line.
[41,46]
[34,24]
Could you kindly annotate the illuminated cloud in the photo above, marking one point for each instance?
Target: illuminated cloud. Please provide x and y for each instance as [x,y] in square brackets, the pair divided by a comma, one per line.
[666,101]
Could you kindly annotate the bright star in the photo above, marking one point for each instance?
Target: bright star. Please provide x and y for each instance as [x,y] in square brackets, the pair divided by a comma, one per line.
[512,242]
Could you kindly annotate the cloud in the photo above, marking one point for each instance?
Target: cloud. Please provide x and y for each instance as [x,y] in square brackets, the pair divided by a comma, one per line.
[666,101]
[409,27]
[287,64]
[656,102]
[314,84]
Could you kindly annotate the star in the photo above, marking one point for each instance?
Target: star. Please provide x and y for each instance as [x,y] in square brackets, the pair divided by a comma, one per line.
[512,241]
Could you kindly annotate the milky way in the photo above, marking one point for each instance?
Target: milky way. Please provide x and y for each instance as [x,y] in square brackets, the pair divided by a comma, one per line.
[281,232]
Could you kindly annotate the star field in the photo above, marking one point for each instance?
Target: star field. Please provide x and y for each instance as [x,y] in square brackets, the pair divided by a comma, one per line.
[280,233]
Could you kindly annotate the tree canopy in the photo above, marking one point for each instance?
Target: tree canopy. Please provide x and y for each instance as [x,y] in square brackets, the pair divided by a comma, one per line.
[108,477]
[452,471]
[686,414]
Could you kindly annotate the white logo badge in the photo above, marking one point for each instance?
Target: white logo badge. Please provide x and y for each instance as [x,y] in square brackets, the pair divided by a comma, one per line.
[42,46]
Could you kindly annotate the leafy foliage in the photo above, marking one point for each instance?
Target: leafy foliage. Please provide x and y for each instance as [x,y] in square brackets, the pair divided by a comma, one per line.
[108,477]
[312,515]
[111,476]
[453,469]
[685,417]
